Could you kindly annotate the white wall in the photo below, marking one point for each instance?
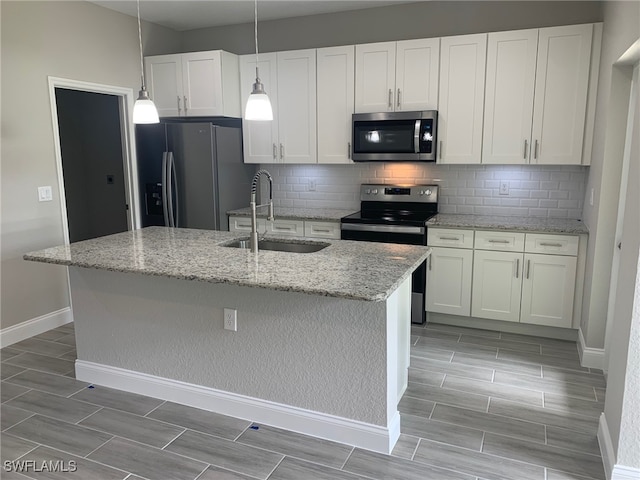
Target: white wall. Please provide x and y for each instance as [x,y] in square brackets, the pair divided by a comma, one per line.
[76,40]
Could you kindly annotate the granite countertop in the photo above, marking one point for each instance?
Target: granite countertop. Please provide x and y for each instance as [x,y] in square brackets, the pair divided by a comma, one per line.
[522,224]
[347,269]
[326,214]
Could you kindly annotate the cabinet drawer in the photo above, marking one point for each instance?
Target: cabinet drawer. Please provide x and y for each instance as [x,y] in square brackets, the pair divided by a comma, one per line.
[501,241]
[552,244]
[321,229]
[243,224]
[449,237]
[286,227]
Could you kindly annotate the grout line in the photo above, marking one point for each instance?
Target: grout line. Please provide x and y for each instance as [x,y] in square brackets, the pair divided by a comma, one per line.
[173,439]
[432,410]
[203,470]
[482,441]
[245,429]
[353,449]
[154,409]
[19,395]
[102,445]
[91,414]
[23,420]
[415,450]
[546,438]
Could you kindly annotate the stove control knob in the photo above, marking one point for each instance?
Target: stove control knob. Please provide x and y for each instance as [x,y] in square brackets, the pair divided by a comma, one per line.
[427,192]
[368,191]
[421,192]
[375,191]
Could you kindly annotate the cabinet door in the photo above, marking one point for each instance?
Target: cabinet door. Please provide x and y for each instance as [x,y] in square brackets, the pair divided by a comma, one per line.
[562,81]
[260,138]
[297,106]
[417,68]
[461,99]
[335,103]
[202,83]
[508,110]
[547,290]
[163,74]
[375,77]
[497,284]
[449,281]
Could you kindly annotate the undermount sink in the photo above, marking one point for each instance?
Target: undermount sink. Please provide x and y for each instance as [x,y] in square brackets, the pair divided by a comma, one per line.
[280,245]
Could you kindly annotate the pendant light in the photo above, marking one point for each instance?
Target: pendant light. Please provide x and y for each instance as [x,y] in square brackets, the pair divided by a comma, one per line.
[258,105]
[144,110]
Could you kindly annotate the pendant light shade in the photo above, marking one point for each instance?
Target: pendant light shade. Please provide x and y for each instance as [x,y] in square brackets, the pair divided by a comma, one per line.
[144,110]
[258,105]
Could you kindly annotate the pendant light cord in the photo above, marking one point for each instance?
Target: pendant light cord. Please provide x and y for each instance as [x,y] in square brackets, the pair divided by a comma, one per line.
[140,42]
[255,31]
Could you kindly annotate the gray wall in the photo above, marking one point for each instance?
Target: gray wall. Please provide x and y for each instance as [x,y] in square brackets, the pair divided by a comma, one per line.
[399,22]
[75,40]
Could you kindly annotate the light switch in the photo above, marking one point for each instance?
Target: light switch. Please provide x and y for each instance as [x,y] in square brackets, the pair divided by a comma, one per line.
[45,194]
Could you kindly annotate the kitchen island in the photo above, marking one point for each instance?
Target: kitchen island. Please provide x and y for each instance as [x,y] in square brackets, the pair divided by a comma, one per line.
[322,340]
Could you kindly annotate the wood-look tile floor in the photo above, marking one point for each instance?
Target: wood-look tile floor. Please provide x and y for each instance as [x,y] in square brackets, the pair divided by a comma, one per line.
[480,405]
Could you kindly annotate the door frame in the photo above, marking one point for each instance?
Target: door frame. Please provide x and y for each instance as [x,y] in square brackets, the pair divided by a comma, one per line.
[125,102]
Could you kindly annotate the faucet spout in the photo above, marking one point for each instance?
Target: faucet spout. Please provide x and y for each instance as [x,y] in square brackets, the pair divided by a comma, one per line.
[253,242]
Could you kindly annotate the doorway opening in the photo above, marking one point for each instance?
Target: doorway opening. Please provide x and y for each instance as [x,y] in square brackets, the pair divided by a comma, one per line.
[95,158]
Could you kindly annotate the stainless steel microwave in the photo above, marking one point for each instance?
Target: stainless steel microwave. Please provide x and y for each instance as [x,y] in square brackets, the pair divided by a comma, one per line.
[395,136]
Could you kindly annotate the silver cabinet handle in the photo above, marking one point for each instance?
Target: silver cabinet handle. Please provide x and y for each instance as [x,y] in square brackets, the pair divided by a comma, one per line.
[416,136]
[321,230]
[456,239]
[498,241]
[390,99]
[547,244]
[275,152]
[528,268]
[281,152]
[349,150]
[278,227]
[535,150]
[185,105]
[398,102]
[440,150]
[525,149]
[179,108]
[517,267]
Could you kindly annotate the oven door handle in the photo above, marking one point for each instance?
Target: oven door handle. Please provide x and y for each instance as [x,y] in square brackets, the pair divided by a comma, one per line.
[358,227]
[416,136]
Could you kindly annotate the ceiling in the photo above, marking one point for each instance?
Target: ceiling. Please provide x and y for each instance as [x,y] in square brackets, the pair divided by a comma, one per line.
[183,15]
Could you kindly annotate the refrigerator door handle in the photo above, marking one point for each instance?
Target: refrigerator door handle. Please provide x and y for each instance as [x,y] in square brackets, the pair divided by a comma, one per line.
[174,196]
[170,189]
[165,196]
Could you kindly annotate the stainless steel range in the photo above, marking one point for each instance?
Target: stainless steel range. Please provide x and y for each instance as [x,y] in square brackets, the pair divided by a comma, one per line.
[396,214]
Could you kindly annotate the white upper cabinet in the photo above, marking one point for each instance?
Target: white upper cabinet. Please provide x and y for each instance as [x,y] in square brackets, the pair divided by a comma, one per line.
[508,110]
[417,67]
[397,76]
[461,99]
[289,79]
[562,83]
[335,92]
[194,84]
[260,138]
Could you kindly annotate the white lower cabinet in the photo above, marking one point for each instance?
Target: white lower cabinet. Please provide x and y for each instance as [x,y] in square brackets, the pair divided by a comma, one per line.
[497,285]
[548,288]
[287,227]
[449,281]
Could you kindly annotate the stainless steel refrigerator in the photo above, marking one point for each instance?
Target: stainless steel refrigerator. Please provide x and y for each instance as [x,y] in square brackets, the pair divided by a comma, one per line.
[191,173]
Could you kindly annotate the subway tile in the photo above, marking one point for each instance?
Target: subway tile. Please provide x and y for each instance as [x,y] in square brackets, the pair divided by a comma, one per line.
[480,372]
[41,362]
[147,462]
[462,360]
[545,385]
[133,427]
[48,382]
[54,406]
[383,467]
[200,420]
[297,445]
[64,436]
[588,408]
[226,454]
[493,390]
[475,463]
[544,360]
[118,399]
[461,434]
[544,455]
[447,396]
[42,347]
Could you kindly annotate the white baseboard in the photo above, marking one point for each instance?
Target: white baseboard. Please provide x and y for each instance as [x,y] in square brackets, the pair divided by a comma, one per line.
[606,446]
[322,425]
[35,326]
[590,357]
[620,472]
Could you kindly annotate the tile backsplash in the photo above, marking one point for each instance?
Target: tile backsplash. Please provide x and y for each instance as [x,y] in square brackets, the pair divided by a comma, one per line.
[539,191]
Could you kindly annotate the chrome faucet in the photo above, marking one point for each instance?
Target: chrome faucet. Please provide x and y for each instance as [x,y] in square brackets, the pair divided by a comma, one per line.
[253,241]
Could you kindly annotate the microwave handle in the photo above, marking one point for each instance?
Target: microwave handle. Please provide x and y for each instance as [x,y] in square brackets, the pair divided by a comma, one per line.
[416,137]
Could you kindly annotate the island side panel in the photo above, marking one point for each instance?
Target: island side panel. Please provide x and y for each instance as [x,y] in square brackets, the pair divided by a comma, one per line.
[318,353]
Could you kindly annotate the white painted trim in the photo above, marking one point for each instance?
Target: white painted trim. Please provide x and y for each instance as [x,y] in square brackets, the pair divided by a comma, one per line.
[35,326]
[620,472]
[322,425]
[590,357]
[129,146]
[606,446]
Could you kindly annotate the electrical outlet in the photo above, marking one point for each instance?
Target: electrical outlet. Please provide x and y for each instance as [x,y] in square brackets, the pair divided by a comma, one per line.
[45,194]
[311,185]
[231,319]
[504,188]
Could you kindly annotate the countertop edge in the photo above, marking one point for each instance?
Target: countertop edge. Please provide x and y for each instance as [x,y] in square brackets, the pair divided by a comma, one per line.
[543,225]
